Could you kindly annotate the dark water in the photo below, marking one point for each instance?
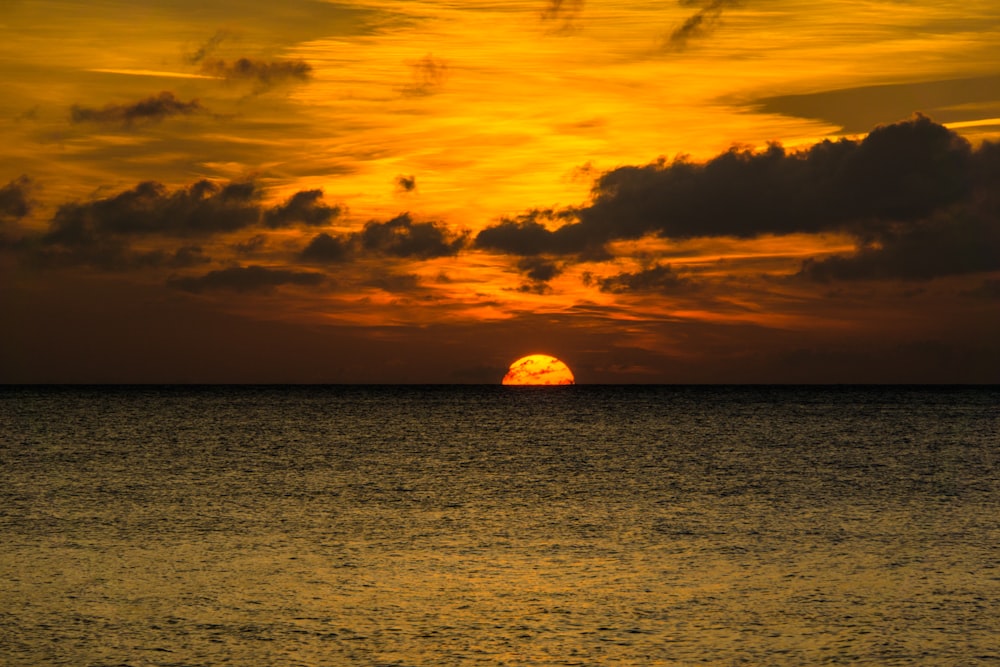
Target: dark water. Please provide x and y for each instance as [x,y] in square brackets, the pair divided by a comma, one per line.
[500,525]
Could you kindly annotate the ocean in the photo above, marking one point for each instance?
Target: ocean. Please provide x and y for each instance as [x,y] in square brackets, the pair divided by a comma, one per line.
[490,525]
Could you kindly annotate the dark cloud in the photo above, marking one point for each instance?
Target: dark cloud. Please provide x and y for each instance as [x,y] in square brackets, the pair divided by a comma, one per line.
[394,282]
[303,207]
[399,237]
[965,240]
[112,254]
[699,24]
[264,75]
[153,108]
[189,255]
[957,239]
[402,237]
[428,74]
[534,288]
[523,236]
[109,233]
[202,209]
[106,254]
[326,249]
[528,235]
[246,279]
[150,208]
[209,47]
[406,183]
[14,201]
[251,245]
[659,278]
[562,10]
[538,269]
[898,173]
[856,110]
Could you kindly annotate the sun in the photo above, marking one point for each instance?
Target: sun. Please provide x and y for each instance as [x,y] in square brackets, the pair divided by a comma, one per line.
[538,369]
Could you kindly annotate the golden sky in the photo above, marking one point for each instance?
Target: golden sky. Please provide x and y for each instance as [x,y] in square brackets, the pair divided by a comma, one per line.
[680,191]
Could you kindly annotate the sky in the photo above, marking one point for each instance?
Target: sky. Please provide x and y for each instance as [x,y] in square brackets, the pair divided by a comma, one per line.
[678,191]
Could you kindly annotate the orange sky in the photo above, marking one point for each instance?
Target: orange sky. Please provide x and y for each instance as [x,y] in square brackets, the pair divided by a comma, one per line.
[384,191]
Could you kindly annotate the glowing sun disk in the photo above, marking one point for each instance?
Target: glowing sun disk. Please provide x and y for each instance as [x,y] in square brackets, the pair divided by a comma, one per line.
[539,369]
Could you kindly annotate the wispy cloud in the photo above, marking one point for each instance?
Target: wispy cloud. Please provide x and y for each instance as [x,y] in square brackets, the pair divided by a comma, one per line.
[152,109]
[562,11]
[209,47]
[428,75]
[262,74]
[659,278]
[700,24]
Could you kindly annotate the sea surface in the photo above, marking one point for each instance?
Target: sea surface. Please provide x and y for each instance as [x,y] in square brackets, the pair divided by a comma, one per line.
[490,525]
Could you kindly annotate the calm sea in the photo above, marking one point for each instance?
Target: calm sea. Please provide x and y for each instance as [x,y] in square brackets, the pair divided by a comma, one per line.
[585,525]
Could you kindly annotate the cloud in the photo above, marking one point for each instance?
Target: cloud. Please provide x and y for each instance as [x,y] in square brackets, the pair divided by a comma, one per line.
[957,239]
[961,241]
[406,183]
[303,207]
[527,235]
[246,279]
[14,202]
[562,10]
[153,108]
[189,255]
[326,249]
[402,237]
[429,74]
[110,233]
[858,109]
[209,47]
[251,245]
[534,288]
[394,282]
[659,278]
[262,74]
[538,269]
[898,173]
[399,237]
[699,24]
[202,209]
[106,254]
[556,8]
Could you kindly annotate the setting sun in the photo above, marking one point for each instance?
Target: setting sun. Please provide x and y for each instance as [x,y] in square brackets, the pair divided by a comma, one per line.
[539,369]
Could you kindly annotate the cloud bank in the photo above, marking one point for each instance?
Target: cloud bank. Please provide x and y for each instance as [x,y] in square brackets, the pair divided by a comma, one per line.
[917,197]
[919,201]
